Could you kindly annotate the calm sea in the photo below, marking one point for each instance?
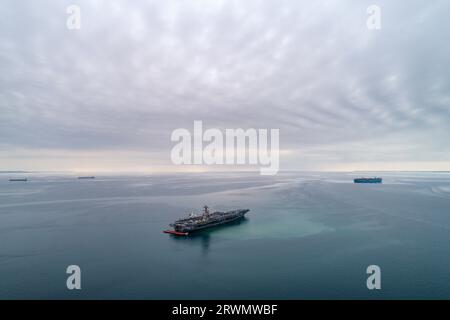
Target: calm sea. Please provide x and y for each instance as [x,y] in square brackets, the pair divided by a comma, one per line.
[308,235]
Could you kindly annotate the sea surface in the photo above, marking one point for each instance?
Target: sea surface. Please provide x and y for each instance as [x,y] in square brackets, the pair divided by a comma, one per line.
[307,236]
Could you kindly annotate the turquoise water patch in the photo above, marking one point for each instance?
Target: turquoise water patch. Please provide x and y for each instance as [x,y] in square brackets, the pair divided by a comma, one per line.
[276,228]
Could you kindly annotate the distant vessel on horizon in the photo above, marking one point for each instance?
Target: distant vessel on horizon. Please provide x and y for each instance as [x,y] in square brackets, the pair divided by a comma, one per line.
[87,177]
[368,180]
[185,226]
[17,180]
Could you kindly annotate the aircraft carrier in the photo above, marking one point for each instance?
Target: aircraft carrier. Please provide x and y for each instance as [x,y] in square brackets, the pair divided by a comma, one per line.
[193,222]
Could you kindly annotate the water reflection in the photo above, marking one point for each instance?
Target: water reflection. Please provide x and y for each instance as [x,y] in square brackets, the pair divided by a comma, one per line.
[203,238]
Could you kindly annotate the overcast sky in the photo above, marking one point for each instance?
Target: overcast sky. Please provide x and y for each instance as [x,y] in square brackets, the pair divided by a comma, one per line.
[108,96]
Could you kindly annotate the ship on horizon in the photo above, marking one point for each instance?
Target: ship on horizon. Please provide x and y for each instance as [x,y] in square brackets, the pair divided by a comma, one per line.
[193,222]
[368,180]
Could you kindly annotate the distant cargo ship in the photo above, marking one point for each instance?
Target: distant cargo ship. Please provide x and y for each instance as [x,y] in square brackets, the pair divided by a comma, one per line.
[89,177]
[183,227]
[16,180]
[368,180]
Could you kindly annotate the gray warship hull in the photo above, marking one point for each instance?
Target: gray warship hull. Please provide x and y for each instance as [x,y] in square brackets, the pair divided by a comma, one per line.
[207,220]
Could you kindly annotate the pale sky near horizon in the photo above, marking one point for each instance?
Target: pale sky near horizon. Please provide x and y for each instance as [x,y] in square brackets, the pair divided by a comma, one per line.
[108,96]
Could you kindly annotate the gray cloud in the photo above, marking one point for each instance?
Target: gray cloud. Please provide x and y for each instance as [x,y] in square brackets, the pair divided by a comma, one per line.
[338,92]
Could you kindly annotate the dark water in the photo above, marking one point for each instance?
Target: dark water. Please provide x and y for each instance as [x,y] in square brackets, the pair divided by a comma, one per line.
[308,235]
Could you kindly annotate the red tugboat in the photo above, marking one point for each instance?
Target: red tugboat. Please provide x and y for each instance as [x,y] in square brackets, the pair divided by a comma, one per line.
[185,226]
[176,233]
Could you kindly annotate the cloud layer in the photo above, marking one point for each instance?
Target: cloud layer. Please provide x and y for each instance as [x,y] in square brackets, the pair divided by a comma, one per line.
[343,96]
